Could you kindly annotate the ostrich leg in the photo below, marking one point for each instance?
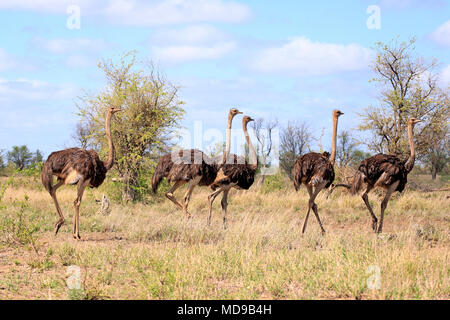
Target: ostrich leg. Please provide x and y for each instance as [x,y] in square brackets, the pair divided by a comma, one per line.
[60,221]
[224,204]
[311,205]
[365,197]
[170,195]
[76,218]
[384,203]
[314,206]
[211,199]
[187,196]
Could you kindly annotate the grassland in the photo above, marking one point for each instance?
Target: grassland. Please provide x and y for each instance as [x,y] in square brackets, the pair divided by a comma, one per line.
[148,251]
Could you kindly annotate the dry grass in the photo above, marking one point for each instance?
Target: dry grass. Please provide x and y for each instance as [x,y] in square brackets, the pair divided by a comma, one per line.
[149,252]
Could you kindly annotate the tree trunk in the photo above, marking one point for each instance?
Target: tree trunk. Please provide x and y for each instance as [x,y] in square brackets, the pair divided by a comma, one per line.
[433,172]
[128,192]
[260,181]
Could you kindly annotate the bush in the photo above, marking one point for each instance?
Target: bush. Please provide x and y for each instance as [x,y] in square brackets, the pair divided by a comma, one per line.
[276,182]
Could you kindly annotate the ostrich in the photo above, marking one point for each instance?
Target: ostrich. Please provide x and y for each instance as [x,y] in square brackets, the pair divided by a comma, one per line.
[235,173]
[77,166]
[315,170]
[387,172]
[190,166]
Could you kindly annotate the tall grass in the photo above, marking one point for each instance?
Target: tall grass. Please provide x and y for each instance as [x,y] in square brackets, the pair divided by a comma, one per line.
[148,251]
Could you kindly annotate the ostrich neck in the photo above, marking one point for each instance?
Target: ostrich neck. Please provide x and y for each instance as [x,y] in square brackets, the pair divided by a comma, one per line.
[334,141]
[111,153]
[253,157]
[409,165]
[226,152]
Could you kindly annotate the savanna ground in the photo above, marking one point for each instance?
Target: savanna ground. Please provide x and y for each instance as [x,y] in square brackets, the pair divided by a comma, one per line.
[148,251]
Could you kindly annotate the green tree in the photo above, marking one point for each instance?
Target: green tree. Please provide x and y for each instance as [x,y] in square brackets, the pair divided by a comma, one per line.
[408,89]
[346,148]
[151,111]
[2,162]
[38,157]
[20,156]
[358,156]
[437,137]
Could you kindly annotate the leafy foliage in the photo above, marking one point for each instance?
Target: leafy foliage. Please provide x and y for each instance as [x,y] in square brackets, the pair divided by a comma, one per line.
[151,111]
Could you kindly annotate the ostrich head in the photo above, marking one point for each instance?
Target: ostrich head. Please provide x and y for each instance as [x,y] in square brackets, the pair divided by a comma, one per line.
[113,110]
[247,119]
[413,121]
[337,113]
[234,111]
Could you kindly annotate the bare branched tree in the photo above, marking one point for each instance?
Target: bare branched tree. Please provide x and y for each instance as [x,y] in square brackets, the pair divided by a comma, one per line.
[264,136]
[295,140]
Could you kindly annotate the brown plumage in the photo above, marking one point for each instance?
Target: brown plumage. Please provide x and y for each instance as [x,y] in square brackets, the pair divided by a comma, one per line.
[188,166]
[185,165]
[315,170]
[234,173]
[77,166]
[387,172]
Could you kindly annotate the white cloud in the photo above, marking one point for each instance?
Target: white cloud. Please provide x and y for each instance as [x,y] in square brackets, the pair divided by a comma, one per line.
[182,53]
[32,90]
[442,35]
[52,6]
[142,12]
[64,46]
[200,42]
[303,57]
[197,34]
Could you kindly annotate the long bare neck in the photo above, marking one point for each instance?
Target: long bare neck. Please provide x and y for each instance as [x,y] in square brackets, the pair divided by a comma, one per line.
[409,165]
[334,141]
[253,157]
[111,153]
[226,152]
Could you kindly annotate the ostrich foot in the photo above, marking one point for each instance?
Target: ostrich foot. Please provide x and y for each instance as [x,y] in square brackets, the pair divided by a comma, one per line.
[374,225]
[76,236]
[58,225]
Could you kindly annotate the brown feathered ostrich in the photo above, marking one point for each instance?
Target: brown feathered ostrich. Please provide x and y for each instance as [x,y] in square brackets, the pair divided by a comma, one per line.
[77,166]
[316,171]
[387,172]
[234,173]
[189,166]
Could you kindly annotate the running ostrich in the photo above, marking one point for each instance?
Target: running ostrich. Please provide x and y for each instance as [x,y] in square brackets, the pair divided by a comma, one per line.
[316,170]
[387,172]
[234,173]
[76,166]
[190,166]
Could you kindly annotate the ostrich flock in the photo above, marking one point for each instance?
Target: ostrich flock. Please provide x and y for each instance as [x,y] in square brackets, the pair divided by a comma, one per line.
[76,166]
